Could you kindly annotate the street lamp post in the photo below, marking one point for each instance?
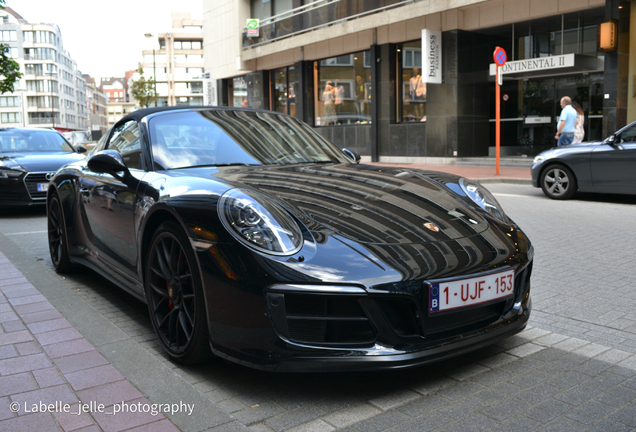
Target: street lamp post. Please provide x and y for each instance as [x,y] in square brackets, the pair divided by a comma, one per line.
[154,72]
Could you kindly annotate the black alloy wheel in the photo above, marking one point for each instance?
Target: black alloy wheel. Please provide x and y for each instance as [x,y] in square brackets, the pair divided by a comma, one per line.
[57,236]
[558,182]
[175,296]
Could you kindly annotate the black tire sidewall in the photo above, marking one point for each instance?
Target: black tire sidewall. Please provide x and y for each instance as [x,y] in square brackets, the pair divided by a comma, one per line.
[64,264]
[198,347]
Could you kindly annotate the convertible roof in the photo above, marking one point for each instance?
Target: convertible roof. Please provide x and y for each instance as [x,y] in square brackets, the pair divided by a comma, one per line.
[139,114]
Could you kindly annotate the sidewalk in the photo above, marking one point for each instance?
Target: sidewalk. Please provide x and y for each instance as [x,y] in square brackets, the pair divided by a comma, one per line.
[48,371]
[480,173]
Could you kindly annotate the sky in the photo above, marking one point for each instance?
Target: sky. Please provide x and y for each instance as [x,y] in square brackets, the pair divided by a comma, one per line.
[106,38]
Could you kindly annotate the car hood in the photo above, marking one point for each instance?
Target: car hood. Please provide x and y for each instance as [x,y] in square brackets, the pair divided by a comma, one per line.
[38,162]
[367,204]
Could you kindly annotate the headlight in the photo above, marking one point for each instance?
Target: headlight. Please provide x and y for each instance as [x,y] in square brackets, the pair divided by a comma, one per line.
[258,223]
[483,198]
[538,159]
[9,173]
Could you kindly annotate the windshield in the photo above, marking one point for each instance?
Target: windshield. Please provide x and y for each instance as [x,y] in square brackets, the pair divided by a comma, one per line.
[30,141]
[228,137]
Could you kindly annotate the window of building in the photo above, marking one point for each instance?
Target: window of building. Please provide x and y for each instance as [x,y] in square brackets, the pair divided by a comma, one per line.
[285,87]
[411,89]
[267,8]
[41,101]
[344,90]
[183,101]
[239,93]
[42,86]
[10,117]
[8,36]
[9,101]
[39,54]
[43,118]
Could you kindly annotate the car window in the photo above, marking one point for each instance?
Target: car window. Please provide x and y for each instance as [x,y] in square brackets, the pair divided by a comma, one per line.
[101,144]
[629,135]
[30,141]
[125,140]
[222,137]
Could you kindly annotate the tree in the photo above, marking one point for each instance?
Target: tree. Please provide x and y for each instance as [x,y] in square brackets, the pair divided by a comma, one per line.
[9,68]
[144,90]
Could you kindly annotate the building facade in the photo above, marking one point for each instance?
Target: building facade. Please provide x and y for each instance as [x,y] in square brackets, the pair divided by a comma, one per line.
[115,88]
[96,101]
[176,62]
[52,91]
[360,73]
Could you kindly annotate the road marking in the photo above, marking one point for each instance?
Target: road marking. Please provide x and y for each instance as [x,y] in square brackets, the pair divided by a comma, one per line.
[26,232]
[510,195]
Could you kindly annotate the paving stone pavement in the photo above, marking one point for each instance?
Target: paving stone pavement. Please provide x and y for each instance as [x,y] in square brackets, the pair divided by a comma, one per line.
[51,377]
[573,368]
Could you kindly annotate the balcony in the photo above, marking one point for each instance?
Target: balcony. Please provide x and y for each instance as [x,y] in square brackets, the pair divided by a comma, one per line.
[315,15]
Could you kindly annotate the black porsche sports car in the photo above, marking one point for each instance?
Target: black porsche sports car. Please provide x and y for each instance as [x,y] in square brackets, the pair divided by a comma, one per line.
[608,166]
[251,237]
[28,160]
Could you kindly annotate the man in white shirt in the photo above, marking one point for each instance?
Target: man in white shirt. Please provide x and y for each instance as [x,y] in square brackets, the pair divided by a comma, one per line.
[567,120]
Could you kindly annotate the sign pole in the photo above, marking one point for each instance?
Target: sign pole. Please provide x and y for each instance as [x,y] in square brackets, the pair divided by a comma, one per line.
[500,58]
[497,117]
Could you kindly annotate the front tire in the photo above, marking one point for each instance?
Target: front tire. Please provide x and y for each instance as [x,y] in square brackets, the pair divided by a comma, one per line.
[175,296]
[58,247]
[558,182]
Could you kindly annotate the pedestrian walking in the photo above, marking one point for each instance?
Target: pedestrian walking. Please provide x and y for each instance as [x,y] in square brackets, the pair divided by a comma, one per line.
[567,121]
[579,129]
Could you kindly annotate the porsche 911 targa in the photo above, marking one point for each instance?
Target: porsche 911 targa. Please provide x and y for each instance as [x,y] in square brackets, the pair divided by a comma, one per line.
[253,238]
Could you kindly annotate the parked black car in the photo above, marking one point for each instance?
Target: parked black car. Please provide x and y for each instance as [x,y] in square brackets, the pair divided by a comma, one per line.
[28,160]
[608,166]
[252,237]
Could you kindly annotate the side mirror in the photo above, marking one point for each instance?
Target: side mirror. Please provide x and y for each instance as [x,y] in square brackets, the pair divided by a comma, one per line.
[613,139]
[108,162]
[351,155]
[80,148]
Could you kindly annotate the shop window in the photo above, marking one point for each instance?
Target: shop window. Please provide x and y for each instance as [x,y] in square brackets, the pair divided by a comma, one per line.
[412,89]
[344,90]
[284,89]
[239,92]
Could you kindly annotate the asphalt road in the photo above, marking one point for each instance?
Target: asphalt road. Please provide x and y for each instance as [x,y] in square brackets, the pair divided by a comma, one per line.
[574,369]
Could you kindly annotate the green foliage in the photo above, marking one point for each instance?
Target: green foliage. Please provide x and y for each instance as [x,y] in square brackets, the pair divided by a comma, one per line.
[144,90]
[9,68]
[9,71]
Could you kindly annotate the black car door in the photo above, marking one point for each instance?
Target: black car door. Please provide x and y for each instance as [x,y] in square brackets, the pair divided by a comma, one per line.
[109,204]
[614,166]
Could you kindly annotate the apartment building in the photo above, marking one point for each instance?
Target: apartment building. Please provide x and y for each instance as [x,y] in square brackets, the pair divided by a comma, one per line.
[176,62]
[52,91]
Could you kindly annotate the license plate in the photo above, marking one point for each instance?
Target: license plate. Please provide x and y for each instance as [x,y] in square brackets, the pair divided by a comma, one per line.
[43,187]
[459,293]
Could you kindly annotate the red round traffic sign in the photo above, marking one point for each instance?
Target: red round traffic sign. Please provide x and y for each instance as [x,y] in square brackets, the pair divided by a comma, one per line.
[500,56]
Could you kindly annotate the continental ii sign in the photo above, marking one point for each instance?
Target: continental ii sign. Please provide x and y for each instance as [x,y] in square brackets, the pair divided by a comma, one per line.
[536,64]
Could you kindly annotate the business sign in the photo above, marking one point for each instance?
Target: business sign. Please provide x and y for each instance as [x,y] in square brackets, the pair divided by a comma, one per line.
[252,27]
[535,64]
[209,92]
[431,56]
